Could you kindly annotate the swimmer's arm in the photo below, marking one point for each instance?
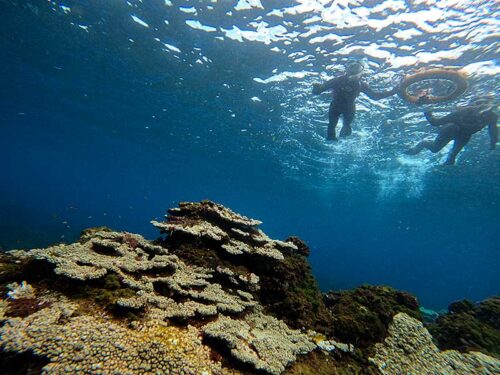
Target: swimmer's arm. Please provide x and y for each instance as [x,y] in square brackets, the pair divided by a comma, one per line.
[439,121]
[376,95]
[318,88]
[493,132]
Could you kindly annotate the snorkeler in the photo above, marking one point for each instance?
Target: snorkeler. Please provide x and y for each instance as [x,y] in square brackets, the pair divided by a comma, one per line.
[459,126]
[345,91]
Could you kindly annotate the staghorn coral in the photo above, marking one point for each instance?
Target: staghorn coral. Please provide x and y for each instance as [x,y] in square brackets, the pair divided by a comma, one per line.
[89,345]
[260,340]
[409,349]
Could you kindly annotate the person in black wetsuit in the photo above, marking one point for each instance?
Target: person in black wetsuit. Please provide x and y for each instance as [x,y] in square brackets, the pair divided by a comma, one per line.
[459,126]
[345,91]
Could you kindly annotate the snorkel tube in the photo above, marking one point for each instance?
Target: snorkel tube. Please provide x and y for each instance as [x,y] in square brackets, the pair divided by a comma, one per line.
[457,77]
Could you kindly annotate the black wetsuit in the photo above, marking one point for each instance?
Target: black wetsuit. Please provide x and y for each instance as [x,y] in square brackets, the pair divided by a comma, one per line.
[459,126]
[345,91]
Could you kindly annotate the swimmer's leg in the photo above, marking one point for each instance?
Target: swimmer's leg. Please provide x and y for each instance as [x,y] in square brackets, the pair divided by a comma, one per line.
[333,119]
[445,136]
[347,118]
[458,145]
[418,147]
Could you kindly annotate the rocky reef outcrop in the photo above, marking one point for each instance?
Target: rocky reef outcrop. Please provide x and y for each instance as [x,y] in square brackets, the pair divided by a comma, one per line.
[211,236]
[213,295]
[362,315]
[470,327]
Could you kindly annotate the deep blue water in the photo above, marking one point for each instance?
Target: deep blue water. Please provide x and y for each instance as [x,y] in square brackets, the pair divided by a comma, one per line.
[108,126]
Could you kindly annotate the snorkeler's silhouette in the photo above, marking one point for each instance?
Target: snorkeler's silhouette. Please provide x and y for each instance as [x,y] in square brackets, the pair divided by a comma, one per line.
[459,126]
[345,91]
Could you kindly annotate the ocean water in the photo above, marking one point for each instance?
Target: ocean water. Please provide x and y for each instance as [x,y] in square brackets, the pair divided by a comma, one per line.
[113,111]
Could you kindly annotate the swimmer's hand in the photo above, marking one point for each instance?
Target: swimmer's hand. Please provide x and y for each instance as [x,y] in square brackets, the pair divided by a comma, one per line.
[316,88]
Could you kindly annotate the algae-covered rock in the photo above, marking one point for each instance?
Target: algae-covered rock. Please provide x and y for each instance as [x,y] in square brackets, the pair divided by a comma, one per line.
[468,326]
[362,315]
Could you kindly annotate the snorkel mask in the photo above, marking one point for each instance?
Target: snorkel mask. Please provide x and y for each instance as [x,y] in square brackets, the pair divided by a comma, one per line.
[354,69]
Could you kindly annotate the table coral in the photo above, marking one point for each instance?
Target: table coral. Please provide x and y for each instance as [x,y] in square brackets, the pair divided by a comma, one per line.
[161,280]
[260,340]
[236,234]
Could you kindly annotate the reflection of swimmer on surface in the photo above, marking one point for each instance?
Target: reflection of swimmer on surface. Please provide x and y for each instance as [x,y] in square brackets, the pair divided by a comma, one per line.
[424,96]
[459,126]
[345,91]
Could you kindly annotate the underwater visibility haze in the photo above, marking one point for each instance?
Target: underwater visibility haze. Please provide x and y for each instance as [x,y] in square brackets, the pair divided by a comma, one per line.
[113,111]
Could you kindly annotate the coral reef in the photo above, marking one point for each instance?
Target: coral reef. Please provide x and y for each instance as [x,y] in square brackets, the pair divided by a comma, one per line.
[213,295]
[23,290]
[409,349]
[428,315]
[362,315]
[110,275]
[469,326]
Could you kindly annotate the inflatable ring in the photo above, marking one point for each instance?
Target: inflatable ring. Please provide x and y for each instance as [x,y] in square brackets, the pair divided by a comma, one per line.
[452,75]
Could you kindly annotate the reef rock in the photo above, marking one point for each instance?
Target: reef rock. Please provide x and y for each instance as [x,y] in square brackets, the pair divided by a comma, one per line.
[409,349]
